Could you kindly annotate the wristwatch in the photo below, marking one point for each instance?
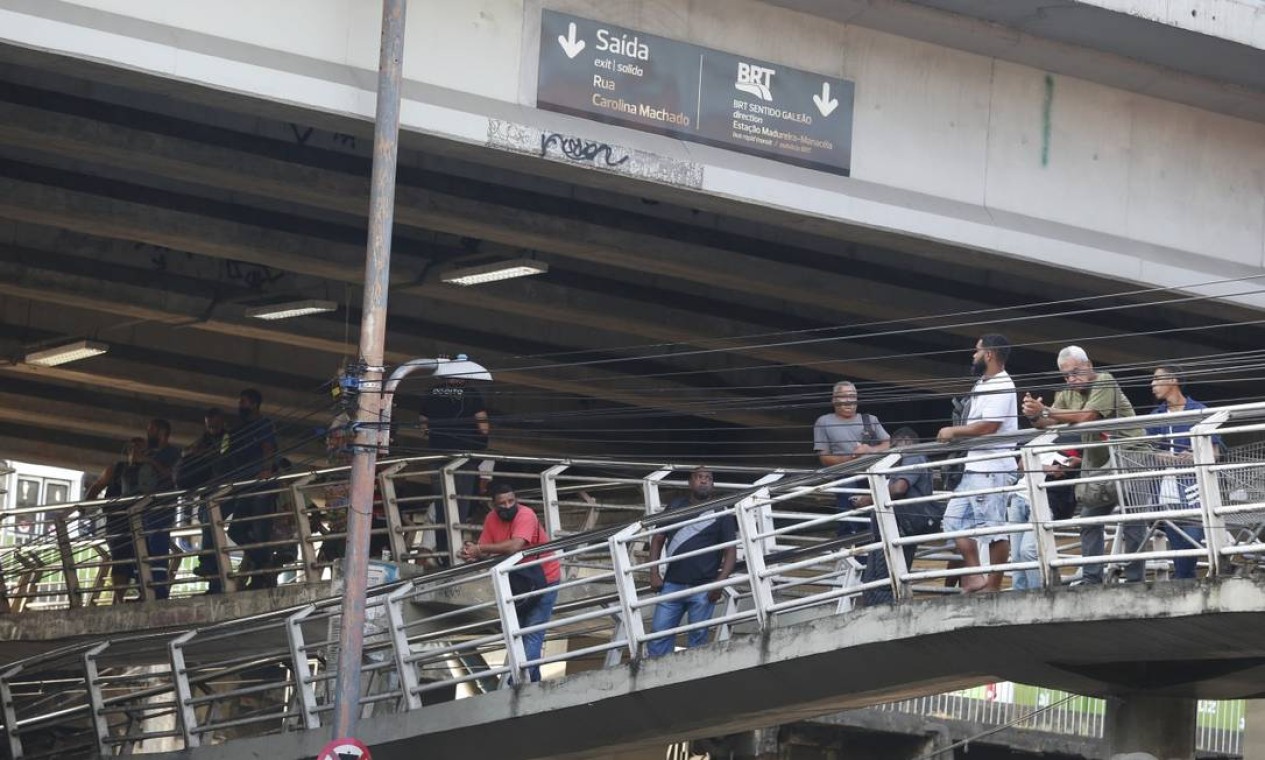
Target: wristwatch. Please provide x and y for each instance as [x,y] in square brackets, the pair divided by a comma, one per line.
[1045,413]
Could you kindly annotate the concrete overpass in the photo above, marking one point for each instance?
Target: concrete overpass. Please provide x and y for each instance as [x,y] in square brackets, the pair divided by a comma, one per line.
[199,163]
[1172,640]
[791,642]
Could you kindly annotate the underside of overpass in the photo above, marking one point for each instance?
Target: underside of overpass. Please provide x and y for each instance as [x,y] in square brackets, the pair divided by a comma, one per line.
[151,215]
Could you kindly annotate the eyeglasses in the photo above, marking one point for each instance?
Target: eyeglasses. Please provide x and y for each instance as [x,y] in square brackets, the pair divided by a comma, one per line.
[844,402]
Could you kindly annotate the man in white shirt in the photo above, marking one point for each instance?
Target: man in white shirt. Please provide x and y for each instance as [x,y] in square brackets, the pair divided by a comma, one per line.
[993,410]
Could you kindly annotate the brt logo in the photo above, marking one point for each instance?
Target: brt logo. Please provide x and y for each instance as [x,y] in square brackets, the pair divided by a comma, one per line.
[756,80]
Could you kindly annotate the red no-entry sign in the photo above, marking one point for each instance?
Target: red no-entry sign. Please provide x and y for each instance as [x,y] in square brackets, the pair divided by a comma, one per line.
[345,749]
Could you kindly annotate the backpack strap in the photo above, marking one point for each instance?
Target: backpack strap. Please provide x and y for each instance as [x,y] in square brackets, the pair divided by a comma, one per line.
[867,432]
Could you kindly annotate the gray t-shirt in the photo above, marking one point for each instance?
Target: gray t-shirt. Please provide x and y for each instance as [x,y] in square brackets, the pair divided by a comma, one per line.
[833,434]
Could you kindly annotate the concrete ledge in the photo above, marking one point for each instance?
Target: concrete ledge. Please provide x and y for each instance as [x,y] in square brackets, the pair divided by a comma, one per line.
[1058,639]
[30,633]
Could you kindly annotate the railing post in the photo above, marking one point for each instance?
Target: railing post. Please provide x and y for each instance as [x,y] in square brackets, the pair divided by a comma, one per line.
[391,509]
[650,488]
[764,511]
[219,540]
[748,530]
[67,554]
[140,549]
[1205,455]
[515,654]
[185,712]
[450,512]
[400,647]
[304,691]
[626,586]
[96,703]
[888,527]
[549,499]
[303,527]
[1039,509]
[10,712]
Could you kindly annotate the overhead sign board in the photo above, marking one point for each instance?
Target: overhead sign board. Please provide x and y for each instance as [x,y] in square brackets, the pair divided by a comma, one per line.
[622,76]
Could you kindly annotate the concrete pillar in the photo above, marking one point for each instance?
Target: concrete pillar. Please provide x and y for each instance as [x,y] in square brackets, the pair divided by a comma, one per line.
[1254,730]
[1159,726]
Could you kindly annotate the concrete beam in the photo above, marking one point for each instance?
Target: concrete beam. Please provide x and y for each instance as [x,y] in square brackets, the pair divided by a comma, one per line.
[169,308]
[621,247]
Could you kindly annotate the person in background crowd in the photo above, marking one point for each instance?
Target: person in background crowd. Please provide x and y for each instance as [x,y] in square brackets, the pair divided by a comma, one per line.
[911,519]
[116,481]
[688,572]
[454,418]
[508,529]
[1091,395]
[1169,388]
[156,475]
[993,410]
[844,435]
[1023,544]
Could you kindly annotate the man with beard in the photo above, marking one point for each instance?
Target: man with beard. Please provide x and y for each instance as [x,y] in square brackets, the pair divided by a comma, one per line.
[689,572]
[993,410]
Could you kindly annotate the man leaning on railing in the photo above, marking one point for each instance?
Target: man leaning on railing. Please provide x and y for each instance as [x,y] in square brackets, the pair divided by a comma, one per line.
[1091,395]
[687,572]
[509,529]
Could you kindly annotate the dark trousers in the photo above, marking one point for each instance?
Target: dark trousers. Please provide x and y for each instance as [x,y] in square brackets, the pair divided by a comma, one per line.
[876,564]
[241,532]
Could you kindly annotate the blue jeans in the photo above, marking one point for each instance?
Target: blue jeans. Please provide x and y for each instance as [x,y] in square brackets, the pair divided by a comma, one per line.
[668,615]
[1023,546]
[534,642]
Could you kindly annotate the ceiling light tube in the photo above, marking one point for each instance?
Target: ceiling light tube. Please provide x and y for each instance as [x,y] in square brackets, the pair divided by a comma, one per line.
[291,309]
[493,271]
[70,352]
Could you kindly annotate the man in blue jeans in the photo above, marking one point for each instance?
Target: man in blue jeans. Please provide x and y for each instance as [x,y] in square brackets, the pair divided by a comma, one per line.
[508,529]
[688,572]
[1169,388]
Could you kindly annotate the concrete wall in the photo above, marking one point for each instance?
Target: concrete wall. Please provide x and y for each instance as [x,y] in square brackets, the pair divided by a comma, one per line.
[949,146]
[1242,21]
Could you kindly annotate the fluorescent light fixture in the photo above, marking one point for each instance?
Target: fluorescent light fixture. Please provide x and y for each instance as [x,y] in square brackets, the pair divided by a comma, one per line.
[291,309]
[71,352]
[493,271]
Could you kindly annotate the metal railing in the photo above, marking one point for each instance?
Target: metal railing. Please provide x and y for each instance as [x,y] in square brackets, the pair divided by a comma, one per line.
[463,631]
[1218,726]
[292,528]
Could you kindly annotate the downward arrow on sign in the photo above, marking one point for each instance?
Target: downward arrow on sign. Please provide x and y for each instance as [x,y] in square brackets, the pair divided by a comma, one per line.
[825,103]
[570,45]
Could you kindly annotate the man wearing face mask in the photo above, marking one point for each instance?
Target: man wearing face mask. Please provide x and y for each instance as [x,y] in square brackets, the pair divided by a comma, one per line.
[688,572]
[993,410]
[508,529]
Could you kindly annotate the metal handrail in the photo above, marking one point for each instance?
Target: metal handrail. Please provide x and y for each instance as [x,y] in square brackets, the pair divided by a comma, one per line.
[445,652]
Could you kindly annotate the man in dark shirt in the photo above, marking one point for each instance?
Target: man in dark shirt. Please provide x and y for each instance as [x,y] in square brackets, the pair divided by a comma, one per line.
[911,519]
[154,475]
[249,454]
[454,417]
[253,452]
[688,572]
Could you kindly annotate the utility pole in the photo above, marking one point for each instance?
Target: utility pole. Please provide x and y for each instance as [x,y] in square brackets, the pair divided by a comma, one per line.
[370,432]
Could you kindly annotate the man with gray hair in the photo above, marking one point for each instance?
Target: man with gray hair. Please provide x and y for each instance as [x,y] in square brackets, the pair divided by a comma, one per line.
[844,435]
[1091,395]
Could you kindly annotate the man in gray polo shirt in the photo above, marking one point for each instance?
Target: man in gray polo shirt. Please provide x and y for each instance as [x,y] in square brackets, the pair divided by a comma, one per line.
[845,435]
